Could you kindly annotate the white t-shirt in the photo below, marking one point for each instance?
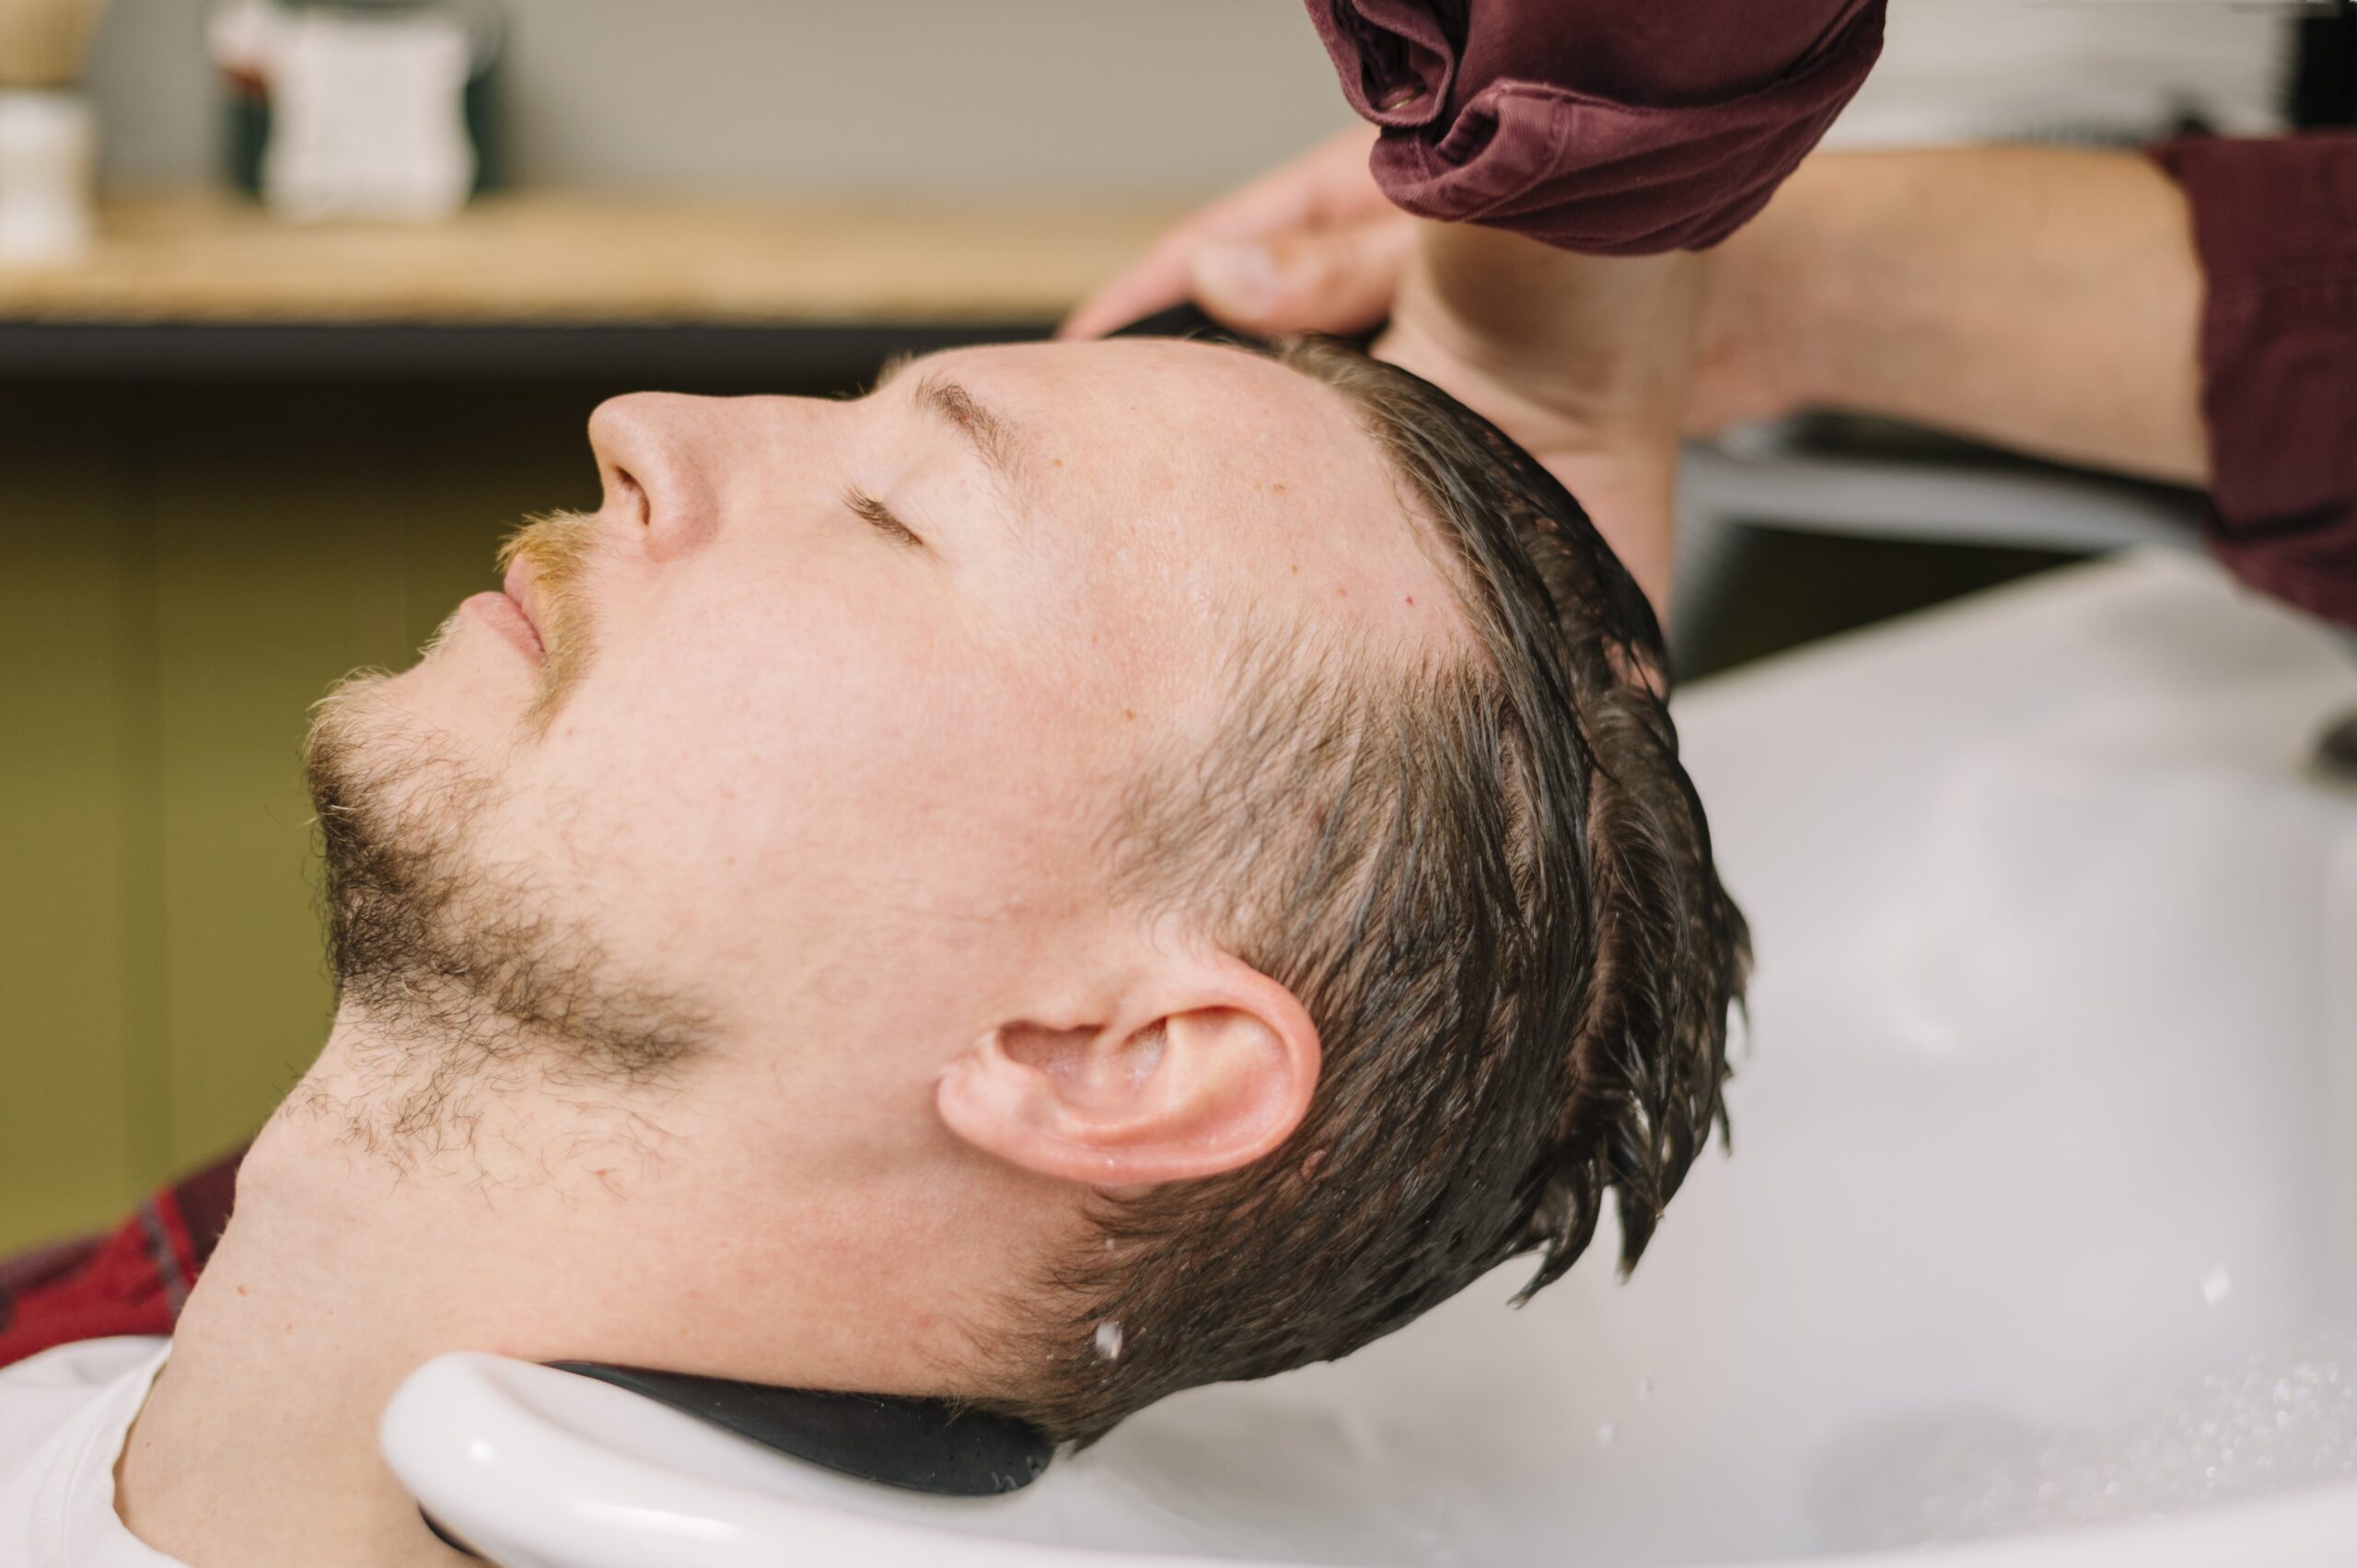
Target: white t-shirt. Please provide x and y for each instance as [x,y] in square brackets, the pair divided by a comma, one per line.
[64,1417]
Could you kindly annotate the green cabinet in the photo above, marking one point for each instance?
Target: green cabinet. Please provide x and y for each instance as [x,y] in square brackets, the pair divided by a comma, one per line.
[182,572]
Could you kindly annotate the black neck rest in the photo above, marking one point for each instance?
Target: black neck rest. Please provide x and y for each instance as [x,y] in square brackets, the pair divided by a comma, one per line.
[917,1445]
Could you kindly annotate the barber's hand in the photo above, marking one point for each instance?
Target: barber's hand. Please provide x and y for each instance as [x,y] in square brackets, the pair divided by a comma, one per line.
[1584,360]
[1581,359]
[1310,246]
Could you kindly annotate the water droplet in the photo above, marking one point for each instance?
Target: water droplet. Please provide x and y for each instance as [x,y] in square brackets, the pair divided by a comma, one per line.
[1606,1435]
[2217,1285]
[1644,1388]
[1108,1339]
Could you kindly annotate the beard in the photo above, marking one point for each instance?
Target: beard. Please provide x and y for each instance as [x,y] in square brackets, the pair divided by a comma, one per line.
[464,978]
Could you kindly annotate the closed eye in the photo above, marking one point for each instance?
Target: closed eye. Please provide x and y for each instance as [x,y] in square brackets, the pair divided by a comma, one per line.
[879,517]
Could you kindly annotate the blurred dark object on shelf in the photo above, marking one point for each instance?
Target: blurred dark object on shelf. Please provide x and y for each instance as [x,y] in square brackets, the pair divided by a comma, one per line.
[2324,72]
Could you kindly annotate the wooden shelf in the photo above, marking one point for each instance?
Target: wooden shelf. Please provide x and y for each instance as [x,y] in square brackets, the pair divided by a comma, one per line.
[577,260]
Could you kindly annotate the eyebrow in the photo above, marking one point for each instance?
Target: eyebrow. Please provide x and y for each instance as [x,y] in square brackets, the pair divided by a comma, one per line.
[997,440]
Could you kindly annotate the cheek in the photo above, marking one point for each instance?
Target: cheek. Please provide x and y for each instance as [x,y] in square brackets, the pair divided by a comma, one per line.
[752,786]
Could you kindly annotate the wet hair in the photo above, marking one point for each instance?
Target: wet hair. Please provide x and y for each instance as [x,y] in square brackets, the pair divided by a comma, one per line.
[1489,881]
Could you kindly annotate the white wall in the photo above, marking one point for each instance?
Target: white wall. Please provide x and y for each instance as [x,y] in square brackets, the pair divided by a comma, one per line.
[765,95]
[2070,70]
[1147,95]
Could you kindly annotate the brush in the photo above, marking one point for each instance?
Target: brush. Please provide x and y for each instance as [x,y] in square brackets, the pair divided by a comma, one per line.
[48,133]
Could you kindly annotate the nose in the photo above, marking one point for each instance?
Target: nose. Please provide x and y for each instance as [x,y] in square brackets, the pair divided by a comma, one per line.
[659,455]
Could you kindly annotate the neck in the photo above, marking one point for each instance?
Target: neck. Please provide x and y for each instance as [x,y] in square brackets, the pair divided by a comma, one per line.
[258,1446]
[359,1250]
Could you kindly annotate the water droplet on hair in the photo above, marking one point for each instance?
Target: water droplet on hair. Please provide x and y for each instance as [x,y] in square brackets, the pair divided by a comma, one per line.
[1108,1339]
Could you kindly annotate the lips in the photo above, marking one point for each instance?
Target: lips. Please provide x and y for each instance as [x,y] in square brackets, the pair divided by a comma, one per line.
[521,584]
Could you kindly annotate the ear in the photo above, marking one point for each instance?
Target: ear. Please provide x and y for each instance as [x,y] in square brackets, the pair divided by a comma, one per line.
[1206,1072]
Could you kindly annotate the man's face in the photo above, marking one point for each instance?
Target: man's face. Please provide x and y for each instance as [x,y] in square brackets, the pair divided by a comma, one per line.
[838,698]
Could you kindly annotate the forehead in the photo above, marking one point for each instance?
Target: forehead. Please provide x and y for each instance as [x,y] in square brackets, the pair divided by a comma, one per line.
[1224,482]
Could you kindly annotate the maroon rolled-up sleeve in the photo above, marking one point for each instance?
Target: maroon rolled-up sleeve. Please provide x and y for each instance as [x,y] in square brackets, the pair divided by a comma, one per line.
[2275,225]
[1615,127]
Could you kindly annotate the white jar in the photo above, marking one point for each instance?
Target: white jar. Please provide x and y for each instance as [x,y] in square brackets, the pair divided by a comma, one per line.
[369,113]
[49,144]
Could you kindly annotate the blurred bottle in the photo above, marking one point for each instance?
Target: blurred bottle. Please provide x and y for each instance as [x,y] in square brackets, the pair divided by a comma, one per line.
[48,132]
[361,108]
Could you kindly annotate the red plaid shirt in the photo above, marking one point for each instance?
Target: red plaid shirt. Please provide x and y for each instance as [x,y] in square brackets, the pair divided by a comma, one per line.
[131,1281]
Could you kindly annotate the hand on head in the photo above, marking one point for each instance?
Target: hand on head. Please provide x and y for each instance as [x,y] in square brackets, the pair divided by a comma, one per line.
[1581,359]
[2037,299]
[1309,247]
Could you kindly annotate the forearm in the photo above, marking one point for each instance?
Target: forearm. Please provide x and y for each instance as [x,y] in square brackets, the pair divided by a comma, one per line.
[2040,299]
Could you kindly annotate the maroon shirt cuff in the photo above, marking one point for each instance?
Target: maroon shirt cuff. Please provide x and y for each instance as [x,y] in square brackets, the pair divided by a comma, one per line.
[2275,225]
[1614,127]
